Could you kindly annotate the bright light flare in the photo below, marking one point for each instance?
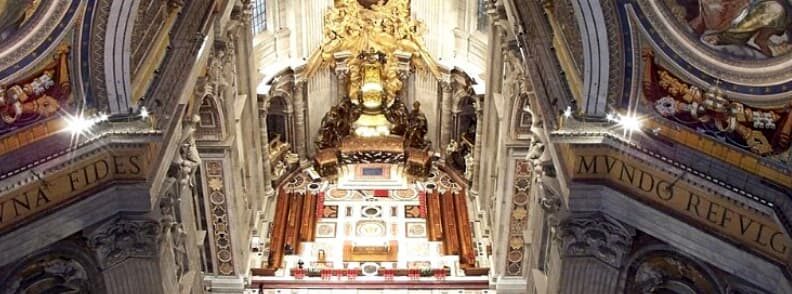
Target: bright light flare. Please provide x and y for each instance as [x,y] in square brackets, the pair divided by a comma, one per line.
[631,123]
[144,112]
[568,112]
[79,124]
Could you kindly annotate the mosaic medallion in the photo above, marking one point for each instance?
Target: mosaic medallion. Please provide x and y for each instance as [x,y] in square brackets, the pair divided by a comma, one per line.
[337,194]
[405,194]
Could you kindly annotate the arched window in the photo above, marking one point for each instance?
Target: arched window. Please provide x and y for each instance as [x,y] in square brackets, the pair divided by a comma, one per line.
[482,19]
[259,16]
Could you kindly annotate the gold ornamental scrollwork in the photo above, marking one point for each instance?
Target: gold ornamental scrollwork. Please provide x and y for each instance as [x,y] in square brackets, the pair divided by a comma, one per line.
[762,131]
[384,27]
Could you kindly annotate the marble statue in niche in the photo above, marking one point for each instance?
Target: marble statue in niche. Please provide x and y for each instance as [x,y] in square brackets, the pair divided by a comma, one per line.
[751,29]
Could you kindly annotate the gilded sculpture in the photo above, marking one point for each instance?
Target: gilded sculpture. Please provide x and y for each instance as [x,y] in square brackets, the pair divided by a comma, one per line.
[384,26]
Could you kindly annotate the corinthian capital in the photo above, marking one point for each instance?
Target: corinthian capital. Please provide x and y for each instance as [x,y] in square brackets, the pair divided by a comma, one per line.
[598,236]
[120,239]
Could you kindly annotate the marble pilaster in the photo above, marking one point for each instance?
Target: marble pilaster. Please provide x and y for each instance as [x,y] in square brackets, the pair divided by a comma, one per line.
[128,252]
[342,74]
[265,152]
[593,248]
[445,113]
[476,166]
[299,119]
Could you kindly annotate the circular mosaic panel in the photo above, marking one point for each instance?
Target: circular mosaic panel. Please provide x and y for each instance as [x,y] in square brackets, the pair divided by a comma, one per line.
[521,198]
[406,194]
[515,256]
[337,194]
[224,255]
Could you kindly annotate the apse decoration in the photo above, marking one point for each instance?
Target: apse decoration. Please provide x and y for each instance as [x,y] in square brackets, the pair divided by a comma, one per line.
[374,47]
[364,25]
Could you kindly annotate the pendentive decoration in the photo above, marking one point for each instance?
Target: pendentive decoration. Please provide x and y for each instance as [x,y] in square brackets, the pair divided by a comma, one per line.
[710,111]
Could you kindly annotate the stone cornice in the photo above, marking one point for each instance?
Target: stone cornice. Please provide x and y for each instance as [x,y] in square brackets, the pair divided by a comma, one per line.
[58,160]
[621,143]
[679,178]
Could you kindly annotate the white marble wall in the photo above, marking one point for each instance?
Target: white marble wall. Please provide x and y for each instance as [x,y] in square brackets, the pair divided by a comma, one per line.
[295,31]
[318,101]
[427,93]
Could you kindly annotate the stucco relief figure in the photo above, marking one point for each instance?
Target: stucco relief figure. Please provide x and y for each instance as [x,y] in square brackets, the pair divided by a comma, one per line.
[469,166]
[743,28]
[186,161]
[180,251]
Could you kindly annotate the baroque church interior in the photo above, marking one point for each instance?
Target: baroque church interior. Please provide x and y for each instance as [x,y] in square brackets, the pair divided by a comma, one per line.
[395,146]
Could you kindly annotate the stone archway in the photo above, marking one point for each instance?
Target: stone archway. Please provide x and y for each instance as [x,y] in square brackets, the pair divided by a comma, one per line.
[659,268]
[61,268]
